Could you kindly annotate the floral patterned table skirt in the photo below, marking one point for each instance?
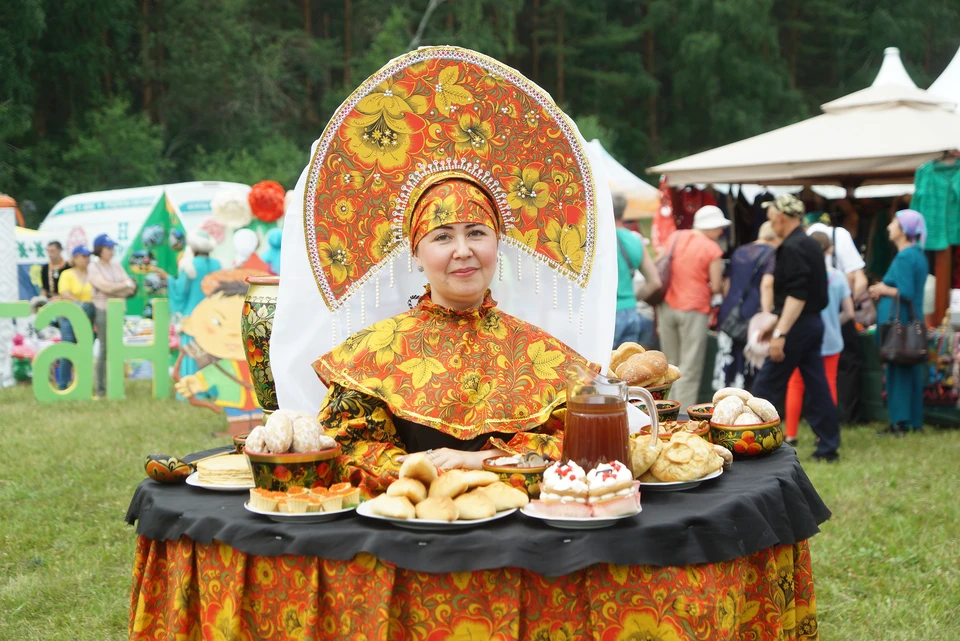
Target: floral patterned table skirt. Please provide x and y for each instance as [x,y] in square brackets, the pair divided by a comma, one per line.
[187,590]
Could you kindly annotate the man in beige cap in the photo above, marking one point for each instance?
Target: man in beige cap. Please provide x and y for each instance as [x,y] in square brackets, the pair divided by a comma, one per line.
[696,274]
[799,293]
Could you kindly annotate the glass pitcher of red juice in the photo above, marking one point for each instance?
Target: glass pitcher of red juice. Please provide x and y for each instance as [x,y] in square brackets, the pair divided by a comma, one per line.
[597,430]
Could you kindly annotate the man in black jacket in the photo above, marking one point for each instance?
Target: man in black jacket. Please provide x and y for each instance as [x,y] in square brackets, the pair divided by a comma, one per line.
[799,293]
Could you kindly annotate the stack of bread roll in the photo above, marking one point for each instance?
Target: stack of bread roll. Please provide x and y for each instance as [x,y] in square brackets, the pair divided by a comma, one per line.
[423,493]
[637,366]
[734,406]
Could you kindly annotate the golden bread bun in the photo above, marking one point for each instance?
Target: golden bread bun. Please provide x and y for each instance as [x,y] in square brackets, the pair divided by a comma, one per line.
[643,369]
[620,355]
[413,489]
[673,374]
[474,505]
[418,466]
[437,508]
[479,478]
[504,497]
[450,484]
[648,477]
[394,507]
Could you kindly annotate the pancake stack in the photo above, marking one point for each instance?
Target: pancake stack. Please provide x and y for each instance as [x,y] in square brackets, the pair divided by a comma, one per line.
[229,470]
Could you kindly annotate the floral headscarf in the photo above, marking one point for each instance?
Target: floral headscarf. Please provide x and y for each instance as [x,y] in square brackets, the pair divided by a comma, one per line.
[913,225]
[451,201]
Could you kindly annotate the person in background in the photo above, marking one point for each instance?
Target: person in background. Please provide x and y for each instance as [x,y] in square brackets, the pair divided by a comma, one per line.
[749,275]
[272,256]
[74,286]
[245,245]
[905,278]
[696,273]
[109,280]
[796,331]
[846,258]
[630,257]
[50,273]
[838,311]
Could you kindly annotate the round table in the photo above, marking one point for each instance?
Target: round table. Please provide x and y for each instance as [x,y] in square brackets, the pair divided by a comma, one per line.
[727,560]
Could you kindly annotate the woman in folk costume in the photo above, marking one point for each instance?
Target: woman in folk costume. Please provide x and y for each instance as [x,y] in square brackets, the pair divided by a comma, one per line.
[453,163]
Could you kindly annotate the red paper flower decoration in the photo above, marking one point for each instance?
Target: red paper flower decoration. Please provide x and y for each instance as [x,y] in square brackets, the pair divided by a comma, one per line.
[266,200]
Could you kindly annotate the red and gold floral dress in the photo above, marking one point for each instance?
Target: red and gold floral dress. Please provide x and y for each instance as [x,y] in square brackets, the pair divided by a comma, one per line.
[436,376]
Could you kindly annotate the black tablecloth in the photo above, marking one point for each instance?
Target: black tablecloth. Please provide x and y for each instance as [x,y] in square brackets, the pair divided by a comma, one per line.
[753,505]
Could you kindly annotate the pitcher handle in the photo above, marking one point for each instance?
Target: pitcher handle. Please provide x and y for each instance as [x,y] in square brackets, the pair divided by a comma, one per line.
[645,396]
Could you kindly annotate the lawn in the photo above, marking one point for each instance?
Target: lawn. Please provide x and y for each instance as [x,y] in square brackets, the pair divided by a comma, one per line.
[887,564]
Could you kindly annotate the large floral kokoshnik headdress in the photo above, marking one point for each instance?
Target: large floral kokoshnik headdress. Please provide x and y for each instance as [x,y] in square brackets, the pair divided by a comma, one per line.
[433,114]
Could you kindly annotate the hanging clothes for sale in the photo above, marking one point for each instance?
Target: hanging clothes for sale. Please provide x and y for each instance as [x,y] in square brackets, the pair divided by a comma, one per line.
[937,196]
[686,203]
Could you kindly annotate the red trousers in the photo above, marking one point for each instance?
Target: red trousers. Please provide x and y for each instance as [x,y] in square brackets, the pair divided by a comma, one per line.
[795,393]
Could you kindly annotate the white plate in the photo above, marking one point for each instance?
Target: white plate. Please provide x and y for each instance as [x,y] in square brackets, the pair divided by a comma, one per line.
[676,486]
[192,480]
[425,524]
[308,517]
[575,523]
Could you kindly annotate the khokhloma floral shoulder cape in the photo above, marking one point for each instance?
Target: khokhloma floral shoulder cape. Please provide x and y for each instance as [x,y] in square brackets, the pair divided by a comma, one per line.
[463,373]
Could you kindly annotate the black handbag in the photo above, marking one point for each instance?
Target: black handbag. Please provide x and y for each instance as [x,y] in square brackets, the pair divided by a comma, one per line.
[903,343]
[734,325]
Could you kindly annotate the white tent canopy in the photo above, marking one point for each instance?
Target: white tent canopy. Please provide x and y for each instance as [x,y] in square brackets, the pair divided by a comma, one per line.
[643,199]
[948,84]
[877,135]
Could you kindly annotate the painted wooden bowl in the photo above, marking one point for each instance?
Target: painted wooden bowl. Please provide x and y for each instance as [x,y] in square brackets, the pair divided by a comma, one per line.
[701,411]
[660,392]
[748,441]
[666,410]
[277,472]
[523,478]
[239,441]
[166,469]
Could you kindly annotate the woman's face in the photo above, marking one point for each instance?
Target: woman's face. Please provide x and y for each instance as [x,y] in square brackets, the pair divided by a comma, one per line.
[80,261]
[106,254]
[459,261]
[894,231]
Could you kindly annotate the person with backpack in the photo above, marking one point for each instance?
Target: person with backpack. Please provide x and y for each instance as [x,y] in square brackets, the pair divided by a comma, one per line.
[630,258]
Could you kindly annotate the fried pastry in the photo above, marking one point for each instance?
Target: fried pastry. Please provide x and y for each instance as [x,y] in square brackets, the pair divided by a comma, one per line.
[686,458]
[418,466]
[672,374]
[479,478]
[474,505]
[504,497]
[725,454]
[437,508]
[413,489]
[394,507]
[451,484]
[643,369]
[642,455]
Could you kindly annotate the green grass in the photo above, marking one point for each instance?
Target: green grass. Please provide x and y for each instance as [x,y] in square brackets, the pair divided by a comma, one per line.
[887,565]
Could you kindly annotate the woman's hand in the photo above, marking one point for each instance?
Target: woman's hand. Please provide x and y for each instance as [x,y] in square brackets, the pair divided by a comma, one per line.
[446,458]
[879,290]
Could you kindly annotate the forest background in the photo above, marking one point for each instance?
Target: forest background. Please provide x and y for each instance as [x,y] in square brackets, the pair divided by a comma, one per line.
[103,94]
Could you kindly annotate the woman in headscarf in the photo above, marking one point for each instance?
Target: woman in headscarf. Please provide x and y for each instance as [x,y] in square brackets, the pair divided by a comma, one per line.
[905,278]
[448,162]
[454,376]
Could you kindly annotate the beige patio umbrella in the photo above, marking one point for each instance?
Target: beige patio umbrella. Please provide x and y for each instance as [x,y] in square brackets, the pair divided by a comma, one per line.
[878,135]
[948,84]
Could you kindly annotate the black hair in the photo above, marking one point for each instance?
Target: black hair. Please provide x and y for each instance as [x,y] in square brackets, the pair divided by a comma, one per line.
[55,243]
[231,288]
